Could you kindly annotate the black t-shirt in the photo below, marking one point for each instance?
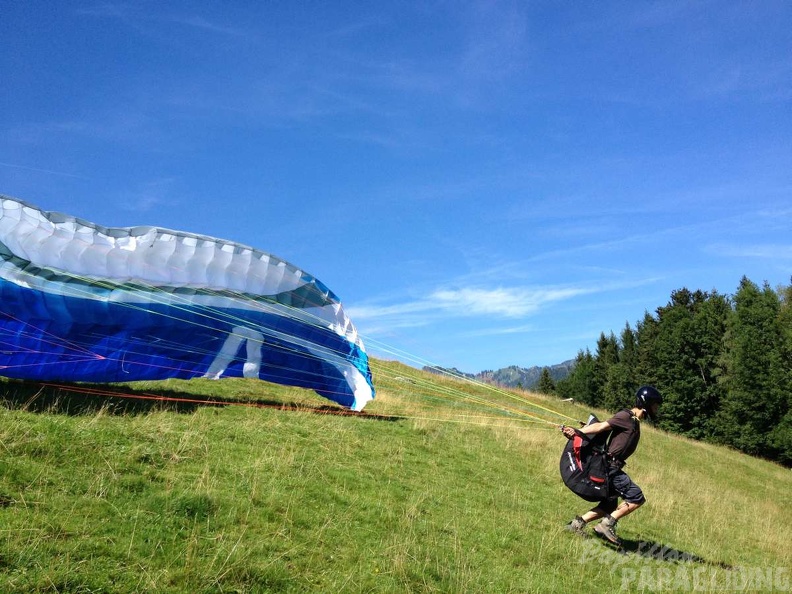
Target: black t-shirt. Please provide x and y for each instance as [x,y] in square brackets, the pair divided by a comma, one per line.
[626,431]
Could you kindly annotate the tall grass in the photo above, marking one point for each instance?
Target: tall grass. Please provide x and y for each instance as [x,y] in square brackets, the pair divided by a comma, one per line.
[429,496]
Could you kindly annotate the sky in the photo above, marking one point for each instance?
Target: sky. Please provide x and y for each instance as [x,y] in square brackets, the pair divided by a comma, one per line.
[483,184]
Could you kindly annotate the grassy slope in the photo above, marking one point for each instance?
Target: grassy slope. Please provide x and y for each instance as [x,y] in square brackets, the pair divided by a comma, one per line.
[241,499]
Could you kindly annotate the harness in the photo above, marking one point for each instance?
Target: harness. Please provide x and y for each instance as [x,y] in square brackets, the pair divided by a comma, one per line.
[587,463]
[584,465]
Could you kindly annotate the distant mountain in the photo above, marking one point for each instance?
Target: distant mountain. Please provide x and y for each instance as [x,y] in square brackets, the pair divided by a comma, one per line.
[452,371]
[512,376]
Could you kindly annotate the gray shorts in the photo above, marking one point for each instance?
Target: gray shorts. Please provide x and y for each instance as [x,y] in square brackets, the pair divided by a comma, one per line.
[621,486]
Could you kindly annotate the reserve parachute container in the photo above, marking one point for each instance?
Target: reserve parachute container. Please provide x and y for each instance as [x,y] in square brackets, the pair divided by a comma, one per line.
[584,464]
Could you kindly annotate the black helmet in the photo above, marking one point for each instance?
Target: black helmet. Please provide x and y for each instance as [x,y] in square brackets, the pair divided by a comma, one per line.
[645,396]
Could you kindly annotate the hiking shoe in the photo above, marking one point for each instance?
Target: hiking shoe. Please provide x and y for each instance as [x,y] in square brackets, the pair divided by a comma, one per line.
[607,529]
[578,526]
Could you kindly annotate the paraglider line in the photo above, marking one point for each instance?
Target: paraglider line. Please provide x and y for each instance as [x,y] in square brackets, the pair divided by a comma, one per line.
[322,410]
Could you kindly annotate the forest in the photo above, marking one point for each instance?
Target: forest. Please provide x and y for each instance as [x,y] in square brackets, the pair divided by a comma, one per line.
[723,364]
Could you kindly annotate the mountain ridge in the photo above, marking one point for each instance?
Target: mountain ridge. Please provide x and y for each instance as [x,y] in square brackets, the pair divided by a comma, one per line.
[512,376]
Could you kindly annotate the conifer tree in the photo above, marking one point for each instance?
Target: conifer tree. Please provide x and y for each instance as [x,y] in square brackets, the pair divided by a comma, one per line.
[685,341]
[579,384]
[780,439]
[546,384]
[620,384]
[607,356]
[709,326]
[628,354]
[645,335]
[755,376]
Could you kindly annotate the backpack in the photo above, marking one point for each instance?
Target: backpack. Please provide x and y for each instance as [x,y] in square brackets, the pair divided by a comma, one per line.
[584,464]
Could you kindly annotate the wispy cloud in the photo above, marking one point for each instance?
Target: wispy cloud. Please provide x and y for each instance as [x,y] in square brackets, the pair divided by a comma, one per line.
[40,170]
[126,126]
[773,251]
[742,223]
[106,10]
[502,330]
[496,42]
[500,302]
[447,303]
[131,13]
[199,22]
[148,196]
[495,310]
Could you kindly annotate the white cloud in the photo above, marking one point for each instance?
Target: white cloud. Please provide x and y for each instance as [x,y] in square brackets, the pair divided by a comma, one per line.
[765,251]
[499,310]
[447,304]
[506,302]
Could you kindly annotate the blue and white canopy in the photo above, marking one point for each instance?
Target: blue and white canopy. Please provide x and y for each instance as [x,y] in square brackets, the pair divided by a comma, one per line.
[82,302]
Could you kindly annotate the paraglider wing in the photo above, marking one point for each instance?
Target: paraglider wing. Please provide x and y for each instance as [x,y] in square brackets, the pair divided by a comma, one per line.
[82,302]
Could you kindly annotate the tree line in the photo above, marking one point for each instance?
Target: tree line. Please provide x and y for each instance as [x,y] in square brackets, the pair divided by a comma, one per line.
[722,363]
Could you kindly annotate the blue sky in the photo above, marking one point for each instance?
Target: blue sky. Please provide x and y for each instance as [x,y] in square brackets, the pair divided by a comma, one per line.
[483,184]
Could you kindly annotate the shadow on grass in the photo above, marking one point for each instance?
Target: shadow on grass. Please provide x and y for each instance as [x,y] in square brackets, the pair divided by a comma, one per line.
[89,399]
[661,552]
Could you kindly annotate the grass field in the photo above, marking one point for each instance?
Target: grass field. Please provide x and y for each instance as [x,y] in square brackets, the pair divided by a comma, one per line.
[431,491]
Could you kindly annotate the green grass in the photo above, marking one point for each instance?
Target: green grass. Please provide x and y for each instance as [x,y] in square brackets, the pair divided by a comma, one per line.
[118,495]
